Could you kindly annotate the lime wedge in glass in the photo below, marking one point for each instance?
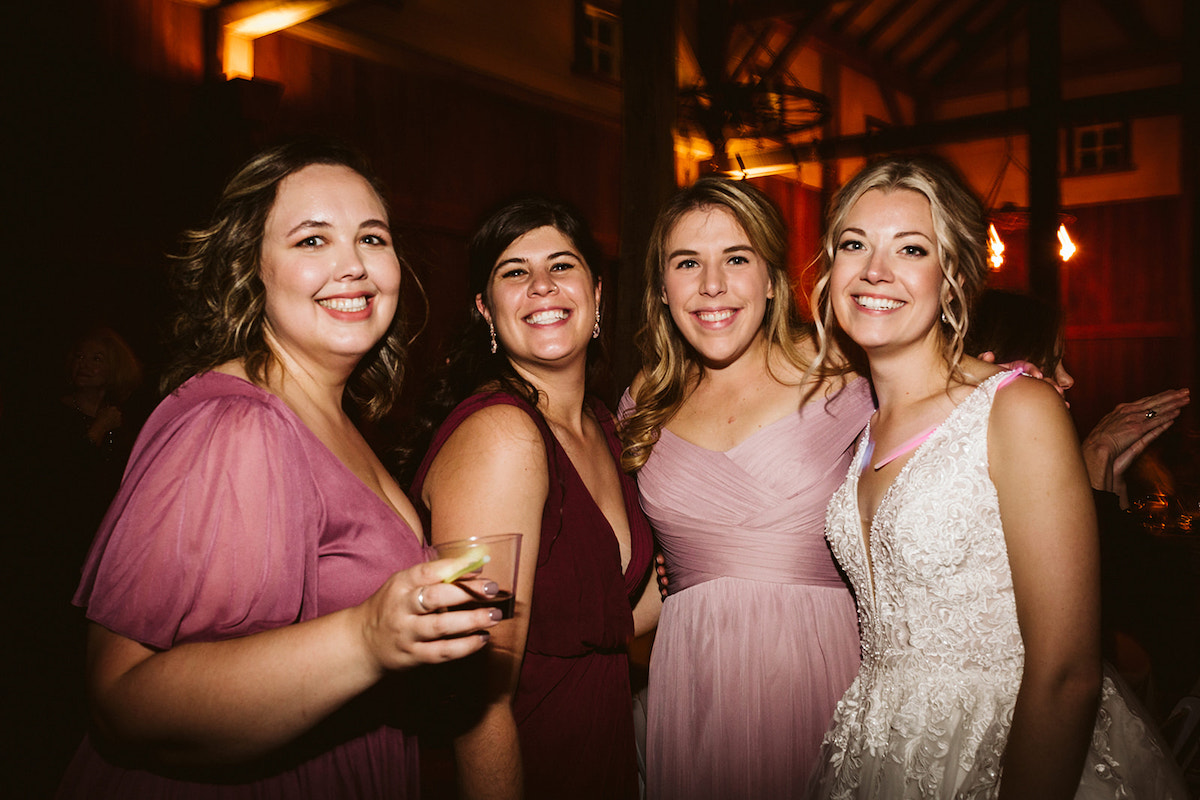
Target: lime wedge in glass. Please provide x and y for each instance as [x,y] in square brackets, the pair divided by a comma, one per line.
[478,557]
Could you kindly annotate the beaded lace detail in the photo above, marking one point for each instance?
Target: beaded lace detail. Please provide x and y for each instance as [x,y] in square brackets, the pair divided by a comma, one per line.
[942,653]
[929,713]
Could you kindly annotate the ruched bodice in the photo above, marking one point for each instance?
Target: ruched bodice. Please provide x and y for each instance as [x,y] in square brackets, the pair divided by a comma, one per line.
[757,639]
[756,511]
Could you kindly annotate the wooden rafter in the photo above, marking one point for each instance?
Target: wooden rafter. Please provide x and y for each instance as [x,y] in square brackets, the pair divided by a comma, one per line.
[849,15]
[803,29]
[761,36]
[981,43]
[955,32]
[884,23]
[912,32]
[1132,22]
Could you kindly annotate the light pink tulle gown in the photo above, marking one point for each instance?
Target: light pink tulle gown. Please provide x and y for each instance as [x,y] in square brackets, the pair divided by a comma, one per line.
[759,637]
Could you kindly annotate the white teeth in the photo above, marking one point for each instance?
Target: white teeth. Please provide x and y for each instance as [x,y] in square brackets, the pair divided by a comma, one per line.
[344,303]
[878,303]
[714,316]
[546,317]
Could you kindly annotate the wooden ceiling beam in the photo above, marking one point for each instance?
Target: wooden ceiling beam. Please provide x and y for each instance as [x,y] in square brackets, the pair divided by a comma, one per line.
[912,33]
[252,19]
[760,41]
[1012,122]
[849,15]
[1133,23]
[958,30]
[981,43]
[884,23]
[803,31]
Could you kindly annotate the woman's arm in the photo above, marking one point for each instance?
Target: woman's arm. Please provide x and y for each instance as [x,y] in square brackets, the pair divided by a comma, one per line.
[491,477]
[230,701]
[1050,530]
[648,608]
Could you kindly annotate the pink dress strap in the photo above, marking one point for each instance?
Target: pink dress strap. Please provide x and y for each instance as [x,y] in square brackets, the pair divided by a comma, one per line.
[919,439]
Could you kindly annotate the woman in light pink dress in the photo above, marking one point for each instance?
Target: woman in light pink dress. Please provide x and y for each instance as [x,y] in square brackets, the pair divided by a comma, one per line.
[737,449]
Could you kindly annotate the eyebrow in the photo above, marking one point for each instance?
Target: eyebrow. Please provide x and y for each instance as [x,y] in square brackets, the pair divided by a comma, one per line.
[322,224]
[899,234]
[551,257]
[735,248]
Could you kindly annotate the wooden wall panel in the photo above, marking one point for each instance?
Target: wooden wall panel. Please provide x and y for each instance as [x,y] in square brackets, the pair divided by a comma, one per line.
[1127,301]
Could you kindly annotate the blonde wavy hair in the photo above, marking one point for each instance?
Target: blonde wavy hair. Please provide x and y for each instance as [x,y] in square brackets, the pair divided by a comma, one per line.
[671,368]
[961,233]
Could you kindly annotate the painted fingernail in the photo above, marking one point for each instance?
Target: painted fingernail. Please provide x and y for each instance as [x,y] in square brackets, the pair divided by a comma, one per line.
[490,588]
[496,614]
[485,635]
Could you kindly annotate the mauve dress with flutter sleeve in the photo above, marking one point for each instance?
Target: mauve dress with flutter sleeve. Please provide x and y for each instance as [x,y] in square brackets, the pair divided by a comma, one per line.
[232,519]
[758,638]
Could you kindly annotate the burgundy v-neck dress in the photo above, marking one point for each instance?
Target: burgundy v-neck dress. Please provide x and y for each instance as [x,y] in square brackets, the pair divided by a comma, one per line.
[573,704]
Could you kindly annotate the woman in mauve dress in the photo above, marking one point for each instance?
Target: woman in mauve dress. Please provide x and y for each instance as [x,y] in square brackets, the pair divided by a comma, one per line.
[522,447]
[259,587]
[737,449]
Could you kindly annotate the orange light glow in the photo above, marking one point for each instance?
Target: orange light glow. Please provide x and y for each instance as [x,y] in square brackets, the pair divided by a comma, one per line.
[995,249]
[1068,247]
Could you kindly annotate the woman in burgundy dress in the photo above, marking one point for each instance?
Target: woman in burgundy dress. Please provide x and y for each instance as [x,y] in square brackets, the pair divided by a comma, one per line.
[527,450]
[259,588]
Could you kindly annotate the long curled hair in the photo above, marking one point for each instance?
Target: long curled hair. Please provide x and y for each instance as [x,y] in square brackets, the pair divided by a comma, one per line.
[671,368]
[471,366]
[222,299]
[958,226]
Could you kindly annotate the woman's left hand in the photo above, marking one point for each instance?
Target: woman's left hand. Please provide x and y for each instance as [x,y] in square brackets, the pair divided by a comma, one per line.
[1124,433]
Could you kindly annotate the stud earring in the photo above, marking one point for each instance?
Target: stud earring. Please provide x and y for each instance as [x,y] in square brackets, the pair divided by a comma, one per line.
[492,330]
[945,321]
[596,327]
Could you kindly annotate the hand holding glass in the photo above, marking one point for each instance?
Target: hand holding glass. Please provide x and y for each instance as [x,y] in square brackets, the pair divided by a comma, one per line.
[495,559]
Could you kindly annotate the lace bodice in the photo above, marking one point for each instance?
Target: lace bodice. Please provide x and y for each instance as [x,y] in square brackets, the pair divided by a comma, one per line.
[940,643]
[929,713]
[941,594]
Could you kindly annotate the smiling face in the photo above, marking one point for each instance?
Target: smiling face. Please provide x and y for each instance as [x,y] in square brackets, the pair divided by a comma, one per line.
[542,299]
[886,281]
[90,366]
[331,273]
[716,285]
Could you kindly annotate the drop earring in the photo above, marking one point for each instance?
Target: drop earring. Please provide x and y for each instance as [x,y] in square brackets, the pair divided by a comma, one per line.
[492,331]
[596,327]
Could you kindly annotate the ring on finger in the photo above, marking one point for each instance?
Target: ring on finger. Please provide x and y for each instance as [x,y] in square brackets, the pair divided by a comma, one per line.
[421,600]
[1151,414]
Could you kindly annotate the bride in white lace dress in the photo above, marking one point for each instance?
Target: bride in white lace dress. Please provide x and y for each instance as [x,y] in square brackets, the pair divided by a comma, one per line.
[967,529]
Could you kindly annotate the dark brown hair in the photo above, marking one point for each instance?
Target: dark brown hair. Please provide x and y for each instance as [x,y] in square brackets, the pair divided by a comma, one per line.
[222,298]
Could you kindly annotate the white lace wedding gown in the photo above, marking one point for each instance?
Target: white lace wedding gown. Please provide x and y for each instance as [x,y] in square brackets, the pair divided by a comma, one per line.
[929,713]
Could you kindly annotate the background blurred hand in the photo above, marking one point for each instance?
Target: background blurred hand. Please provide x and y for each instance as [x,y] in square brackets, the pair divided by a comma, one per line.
[1122,434]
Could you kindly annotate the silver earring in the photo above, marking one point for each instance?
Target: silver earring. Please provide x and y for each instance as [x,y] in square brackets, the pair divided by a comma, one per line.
[596,327]
[944,320]
[492,330]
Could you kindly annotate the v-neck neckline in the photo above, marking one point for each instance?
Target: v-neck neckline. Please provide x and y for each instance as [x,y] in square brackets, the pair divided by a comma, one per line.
[866,533]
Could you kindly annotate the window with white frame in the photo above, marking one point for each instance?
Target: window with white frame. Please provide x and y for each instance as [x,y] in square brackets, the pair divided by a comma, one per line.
[1103,147]
[598,41]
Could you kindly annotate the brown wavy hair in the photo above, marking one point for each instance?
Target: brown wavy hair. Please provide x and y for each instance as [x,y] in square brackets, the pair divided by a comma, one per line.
[960,230]
[218,282]
[671,368]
